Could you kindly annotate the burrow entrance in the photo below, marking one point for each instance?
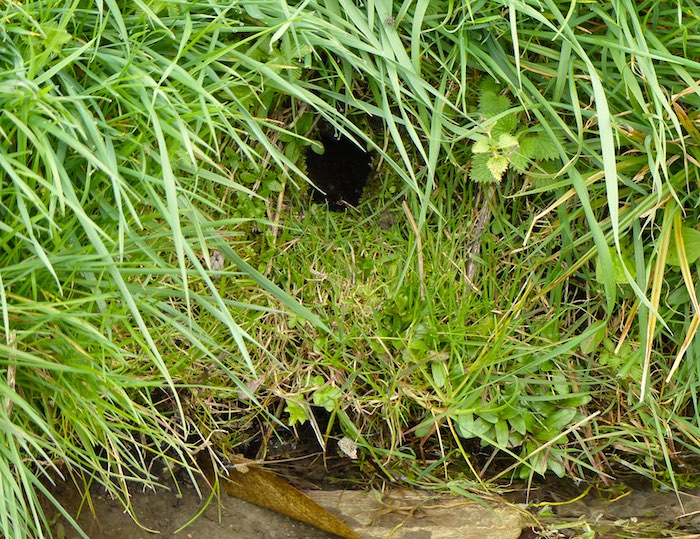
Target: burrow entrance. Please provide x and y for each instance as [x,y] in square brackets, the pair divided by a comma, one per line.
[340,173]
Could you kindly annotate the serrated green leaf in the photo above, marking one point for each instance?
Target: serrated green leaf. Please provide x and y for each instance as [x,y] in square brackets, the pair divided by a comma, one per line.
[506,141]
[492,104]
[479,170]
[507,124]
[518,161]
[497,166]
[489,85]
[297,413]
[482,146]
[528,148]
[544,148]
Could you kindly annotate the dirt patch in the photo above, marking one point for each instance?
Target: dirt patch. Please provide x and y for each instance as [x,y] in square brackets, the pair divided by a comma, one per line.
[398,514]
[615,511]
[166,512]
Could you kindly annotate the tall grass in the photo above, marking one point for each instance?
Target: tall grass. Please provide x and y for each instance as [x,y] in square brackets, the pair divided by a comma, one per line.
[613,88]
[112,123]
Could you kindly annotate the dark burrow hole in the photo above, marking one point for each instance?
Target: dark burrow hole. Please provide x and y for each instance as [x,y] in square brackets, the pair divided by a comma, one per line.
[341,173]
[297,455]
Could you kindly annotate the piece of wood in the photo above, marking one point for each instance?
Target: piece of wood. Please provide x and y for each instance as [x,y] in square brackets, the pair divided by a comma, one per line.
[253,484]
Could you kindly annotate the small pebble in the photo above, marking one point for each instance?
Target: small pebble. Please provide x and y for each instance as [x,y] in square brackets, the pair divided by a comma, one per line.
[216,263]
[348,447]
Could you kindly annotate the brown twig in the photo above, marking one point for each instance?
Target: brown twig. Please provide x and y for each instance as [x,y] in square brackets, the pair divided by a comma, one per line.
[474,247]
[419,245]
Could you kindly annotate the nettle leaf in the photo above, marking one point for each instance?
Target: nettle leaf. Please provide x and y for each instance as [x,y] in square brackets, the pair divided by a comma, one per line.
[533,148]
[518,161]
[492,103]
[544,148]
[547,150]
[691,241]
[506,141]
[482,146]
[528,148]
[505,125]
[479,170]
[498,166]
[490,85]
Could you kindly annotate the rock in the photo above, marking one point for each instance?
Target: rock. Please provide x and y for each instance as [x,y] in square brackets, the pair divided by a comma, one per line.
[403,514]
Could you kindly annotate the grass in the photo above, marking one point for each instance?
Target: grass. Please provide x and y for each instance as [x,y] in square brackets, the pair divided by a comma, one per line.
[143,142]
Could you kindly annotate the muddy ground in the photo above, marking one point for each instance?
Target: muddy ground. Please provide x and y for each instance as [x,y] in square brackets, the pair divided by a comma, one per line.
[163,513]
[399,514]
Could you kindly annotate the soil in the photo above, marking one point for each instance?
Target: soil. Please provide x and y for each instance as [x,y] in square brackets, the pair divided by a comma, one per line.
[620,510]
[164,512]
[400,515]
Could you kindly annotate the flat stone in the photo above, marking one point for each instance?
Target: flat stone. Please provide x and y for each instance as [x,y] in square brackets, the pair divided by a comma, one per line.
[403,514]
[639,505]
